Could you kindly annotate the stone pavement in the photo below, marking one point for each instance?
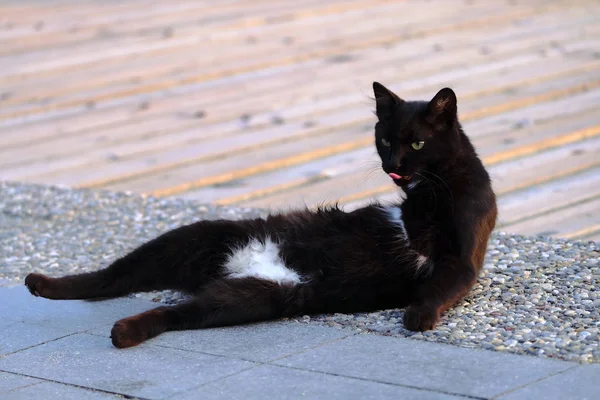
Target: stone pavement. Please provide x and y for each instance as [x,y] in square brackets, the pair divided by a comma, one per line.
[61,349]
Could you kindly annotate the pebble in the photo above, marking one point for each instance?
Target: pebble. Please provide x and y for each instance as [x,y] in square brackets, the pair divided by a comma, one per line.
[535,296]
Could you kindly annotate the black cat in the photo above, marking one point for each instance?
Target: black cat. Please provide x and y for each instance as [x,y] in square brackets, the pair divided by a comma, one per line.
[423,253]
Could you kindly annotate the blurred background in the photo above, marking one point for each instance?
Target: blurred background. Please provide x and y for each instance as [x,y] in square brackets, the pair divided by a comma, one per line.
[267,103]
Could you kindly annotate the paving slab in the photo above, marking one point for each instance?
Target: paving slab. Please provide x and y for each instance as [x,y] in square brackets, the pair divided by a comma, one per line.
[9,382]
[15,336]
[255,342]
[423,365]
[535,296]
[579,383]
[145,371]
[272,382]
[18,305]
[51,390]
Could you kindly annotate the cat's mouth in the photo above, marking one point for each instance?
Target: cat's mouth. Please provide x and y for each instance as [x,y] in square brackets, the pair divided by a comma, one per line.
[400,178]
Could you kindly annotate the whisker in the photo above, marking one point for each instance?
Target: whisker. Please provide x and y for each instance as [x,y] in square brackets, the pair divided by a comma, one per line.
[446,186]
[432,189]
[372,170]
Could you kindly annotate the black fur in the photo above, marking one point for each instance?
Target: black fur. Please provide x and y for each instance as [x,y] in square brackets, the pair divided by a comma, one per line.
[348,261]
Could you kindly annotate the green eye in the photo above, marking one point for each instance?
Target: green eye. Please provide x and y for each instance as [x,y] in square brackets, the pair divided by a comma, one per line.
[385,143]
[417,145]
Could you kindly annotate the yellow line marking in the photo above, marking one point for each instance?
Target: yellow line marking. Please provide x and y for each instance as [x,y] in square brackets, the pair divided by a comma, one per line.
[475,94]
[546,144]
[593,66]
[127,79]
[358,45]
[255,20]
[497,158]
[539,181]
[248,22]
[222,154]
[581,233]
[323,152]
[266,167]
[528,101]
[270,190]
[327,151]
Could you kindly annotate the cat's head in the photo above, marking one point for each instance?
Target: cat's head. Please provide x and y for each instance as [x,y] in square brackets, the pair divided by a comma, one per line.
[413,135]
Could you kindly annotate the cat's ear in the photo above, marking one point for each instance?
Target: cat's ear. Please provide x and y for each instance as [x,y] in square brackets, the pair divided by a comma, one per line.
[441,110]
[385,100]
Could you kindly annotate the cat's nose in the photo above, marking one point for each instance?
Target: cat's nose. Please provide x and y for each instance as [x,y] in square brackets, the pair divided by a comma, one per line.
[394,166]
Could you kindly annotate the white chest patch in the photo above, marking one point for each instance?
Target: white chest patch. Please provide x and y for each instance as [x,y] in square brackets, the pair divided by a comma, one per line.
[394,215]
[259,260]
[413,184]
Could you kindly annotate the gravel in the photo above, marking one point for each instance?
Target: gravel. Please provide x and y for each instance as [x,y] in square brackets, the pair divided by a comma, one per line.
[536,296]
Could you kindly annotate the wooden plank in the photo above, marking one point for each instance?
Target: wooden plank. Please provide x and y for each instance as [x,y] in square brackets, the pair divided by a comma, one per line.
[168,64]
[550,208]
[320,193]
[72,127]
[586,229]
[129,17]
[342,186]
[119,111]
[38,138]
[130,143]
[231,170]
[262,185]
[22,18]
[209,21]
[103,118]
[577,221]
[542,199]
[372,188]
[362,162]
[44,62]
[213,146]
[592,237]
[177,158]
[546,166]
[544,111]
[349,44]
[151,66]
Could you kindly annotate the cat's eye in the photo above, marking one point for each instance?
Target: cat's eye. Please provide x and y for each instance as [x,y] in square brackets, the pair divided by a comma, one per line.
[386,143]
[417,145]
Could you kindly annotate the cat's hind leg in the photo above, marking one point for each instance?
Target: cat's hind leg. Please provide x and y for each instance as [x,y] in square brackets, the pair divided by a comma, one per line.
[221,303]
[120,278]
[144,269]
[182,259]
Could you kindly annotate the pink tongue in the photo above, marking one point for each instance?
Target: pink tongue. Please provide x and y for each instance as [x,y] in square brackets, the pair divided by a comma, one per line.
[394,176]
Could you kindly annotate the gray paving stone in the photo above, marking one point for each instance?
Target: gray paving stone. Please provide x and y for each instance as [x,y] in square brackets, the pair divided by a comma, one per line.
[272,382]
[145,370]
[425,365]
[50,390]
[12,382]
[17,304]
[16,335]
[579,383]
[255,342]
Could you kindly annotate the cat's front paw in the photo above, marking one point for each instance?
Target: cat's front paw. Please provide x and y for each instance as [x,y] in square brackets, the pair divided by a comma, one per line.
[37,284]
[420,318]
[127,333]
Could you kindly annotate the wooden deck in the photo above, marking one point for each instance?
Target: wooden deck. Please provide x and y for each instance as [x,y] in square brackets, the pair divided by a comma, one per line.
[266,103]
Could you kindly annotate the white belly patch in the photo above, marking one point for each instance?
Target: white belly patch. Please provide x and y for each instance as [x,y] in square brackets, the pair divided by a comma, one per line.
[259,260]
